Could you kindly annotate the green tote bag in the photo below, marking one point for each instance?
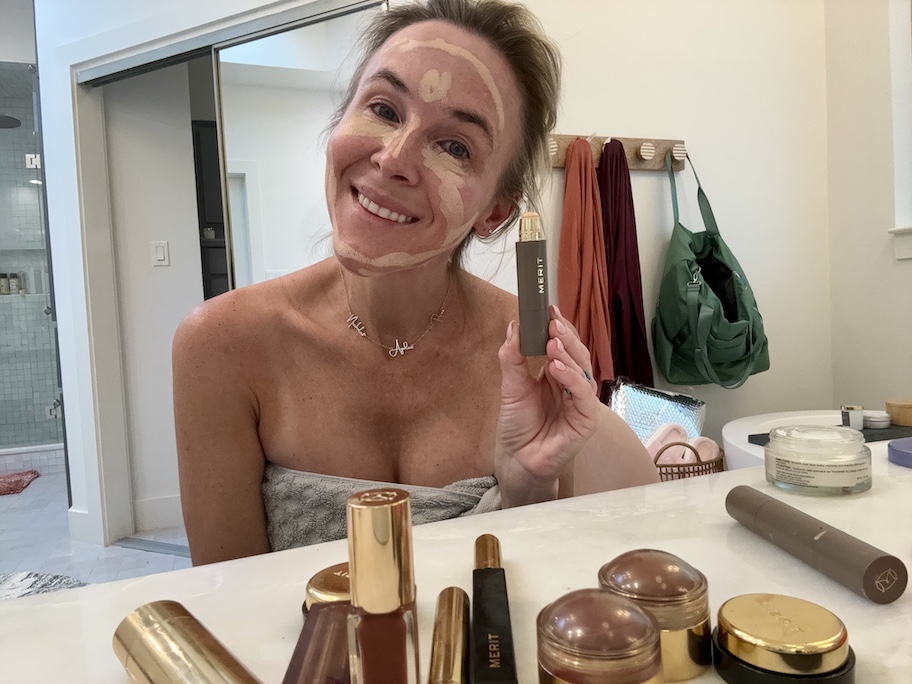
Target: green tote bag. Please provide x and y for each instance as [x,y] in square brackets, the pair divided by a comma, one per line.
[707,328]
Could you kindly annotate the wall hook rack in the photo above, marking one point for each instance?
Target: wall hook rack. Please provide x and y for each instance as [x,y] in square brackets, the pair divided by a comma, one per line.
[643,154]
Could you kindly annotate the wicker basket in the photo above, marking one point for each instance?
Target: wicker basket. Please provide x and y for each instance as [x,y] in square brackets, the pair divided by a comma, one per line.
[677,471]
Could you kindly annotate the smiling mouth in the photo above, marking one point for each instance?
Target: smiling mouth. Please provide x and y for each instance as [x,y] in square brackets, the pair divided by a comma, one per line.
[382,212]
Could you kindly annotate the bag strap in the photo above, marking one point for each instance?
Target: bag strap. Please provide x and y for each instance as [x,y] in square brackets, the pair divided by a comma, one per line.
[709,220]
[700,325]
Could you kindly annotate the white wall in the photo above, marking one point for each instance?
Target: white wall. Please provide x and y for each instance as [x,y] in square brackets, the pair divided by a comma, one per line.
[17,31]
[744,84]
[147,118]
[872,291]
[279,131]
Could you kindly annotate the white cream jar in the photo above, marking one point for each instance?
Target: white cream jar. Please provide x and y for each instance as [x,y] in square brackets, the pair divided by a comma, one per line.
[813,459]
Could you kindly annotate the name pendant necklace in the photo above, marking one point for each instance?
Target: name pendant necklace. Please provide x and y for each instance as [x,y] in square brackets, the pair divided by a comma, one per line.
[400,348]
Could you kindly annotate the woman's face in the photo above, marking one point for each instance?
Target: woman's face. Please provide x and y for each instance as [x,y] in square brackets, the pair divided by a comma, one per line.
[416,160]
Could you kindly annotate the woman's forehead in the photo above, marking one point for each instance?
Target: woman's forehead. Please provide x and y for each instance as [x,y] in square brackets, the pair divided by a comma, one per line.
[440,45]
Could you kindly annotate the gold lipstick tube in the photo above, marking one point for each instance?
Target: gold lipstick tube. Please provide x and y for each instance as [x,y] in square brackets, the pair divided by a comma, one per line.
[161,642]
[450,642]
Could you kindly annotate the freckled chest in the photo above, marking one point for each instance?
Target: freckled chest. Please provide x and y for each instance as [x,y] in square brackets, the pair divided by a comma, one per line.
[382,419]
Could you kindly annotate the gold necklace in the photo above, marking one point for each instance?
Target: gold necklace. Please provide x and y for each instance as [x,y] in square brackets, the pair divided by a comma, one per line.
[355,324]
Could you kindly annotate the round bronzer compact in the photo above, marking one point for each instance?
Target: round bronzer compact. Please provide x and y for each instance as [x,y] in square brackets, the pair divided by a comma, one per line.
[775,639]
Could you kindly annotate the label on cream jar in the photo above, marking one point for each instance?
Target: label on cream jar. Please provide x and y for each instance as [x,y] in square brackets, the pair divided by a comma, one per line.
[832,474]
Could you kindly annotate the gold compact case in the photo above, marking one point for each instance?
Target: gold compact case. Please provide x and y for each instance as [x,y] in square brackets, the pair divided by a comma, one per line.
[776,639]
[675,594]
[329,585]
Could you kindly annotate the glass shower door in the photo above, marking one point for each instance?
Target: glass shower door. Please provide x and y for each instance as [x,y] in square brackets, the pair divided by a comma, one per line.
[31,417]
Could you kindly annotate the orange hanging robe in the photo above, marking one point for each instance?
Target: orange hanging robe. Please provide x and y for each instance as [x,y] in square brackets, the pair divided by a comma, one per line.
[582,273]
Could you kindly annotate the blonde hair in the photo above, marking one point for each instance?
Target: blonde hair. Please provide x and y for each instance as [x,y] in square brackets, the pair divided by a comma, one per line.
[534,60]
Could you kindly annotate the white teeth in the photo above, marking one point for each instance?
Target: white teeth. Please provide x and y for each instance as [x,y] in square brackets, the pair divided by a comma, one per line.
[382,212]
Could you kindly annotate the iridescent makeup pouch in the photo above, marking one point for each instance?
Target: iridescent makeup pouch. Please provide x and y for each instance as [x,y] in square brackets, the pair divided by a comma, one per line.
[644,409]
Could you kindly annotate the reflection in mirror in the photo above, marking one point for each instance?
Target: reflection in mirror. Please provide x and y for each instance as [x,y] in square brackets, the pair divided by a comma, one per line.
[278,95]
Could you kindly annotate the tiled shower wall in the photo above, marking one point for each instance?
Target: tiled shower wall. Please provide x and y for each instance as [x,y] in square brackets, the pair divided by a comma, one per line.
[28,363]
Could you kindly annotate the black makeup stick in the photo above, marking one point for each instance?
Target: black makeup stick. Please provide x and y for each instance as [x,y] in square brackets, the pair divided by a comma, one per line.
[493,659]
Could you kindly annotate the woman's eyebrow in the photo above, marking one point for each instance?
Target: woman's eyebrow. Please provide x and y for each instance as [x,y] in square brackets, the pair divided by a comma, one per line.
[463,115]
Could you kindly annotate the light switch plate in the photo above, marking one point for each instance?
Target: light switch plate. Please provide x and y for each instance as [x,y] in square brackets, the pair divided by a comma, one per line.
[160,254]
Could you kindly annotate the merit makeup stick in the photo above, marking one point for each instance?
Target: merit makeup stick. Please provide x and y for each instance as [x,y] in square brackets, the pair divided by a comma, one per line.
[532,286]
[856,565]
[493,659]
[383,622]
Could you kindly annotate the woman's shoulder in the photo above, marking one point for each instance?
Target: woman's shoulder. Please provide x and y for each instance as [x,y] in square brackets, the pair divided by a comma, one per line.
[253,312]
[489,302]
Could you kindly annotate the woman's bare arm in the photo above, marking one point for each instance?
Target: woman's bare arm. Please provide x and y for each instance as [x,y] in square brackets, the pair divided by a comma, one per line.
[220,459]
[613,458]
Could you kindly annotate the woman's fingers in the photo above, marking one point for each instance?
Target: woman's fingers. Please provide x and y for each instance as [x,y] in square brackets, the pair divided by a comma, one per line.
[568,348]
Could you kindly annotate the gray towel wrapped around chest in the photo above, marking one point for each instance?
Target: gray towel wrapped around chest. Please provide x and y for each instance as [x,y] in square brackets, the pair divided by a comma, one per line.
[309,508]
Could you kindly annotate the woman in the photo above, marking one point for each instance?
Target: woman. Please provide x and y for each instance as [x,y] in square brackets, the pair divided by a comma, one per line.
[388,362]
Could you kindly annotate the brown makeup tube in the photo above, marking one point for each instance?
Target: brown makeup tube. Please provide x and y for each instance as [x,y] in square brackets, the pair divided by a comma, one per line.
[450,642]
[856,565]
[532,286]
[161,642]
[321,653]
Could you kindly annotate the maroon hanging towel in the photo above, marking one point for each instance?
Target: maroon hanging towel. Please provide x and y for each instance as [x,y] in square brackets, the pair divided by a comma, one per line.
[629,346]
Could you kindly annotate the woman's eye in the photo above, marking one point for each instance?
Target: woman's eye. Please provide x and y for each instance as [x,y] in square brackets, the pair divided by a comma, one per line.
[384,111]
[456,149]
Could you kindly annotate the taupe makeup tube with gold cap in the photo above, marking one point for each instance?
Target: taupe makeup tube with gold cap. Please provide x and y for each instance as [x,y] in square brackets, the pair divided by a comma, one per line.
[161,642]
[856,565]
[383,622]
[450,642]
[532,286]
[775,639]
[675,594]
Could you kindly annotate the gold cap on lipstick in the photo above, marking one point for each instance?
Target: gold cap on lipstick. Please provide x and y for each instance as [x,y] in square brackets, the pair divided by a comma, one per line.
[328,585]
[487,552]
[450,644]
[530,227]
[380,550]
[162,642]
[782,634]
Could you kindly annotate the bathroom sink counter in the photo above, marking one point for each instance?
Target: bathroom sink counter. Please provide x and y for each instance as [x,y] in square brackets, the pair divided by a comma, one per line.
[253,605]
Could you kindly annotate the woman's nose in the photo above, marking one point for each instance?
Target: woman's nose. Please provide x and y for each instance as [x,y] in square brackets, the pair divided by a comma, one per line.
[401,156]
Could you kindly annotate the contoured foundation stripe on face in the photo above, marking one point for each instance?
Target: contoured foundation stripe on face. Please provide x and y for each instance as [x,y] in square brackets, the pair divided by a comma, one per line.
[440,44]
[434,85]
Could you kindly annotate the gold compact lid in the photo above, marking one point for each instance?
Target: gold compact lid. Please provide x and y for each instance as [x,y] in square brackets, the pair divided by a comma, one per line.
[328,585]
[380,550]
[450,641]
[530,228]
[782,634]
[673,591]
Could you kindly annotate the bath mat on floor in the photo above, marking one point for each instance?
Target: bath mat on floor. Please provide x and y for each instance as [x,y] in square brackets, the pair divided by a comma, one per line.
[13,483]
[19,584]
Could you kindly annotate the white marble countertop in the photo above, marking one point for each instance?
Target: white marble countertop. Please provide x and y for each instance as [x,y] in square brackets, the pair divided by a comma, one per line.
[253,605]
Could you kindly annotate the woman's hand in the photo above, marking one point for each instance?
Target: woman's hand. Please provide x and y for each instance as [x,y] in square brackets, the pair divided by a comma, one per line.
[544,421]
